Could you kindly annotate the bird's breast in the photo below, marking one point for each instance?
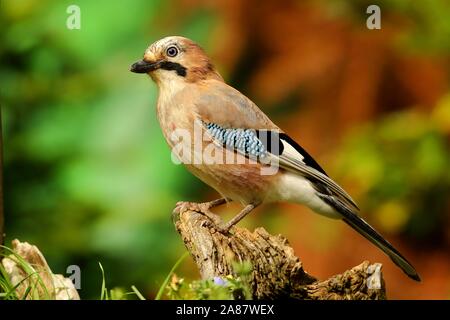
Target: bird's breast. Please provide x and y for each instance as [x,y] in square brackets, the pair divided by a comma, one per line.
[231,174]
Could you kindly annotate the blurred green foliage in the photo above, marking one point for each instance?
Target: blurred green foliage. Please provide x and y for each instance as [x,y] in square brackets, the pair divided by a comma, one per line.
[88,176]
[232,287]
[401,165]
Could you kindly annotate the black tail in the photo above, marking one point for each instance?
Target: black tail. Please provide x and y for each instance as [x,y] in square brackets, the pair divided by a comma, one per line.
[373,236]
[357,223]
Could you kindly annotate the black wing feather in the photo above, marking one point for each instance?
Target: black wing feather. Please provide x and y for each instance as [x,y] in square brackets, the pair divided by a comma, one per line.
[307,159]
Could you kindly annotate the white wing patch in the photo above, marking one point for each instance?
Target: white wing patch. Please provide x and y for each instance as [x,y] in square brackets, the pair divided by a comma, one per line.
[290,152]
[293,157]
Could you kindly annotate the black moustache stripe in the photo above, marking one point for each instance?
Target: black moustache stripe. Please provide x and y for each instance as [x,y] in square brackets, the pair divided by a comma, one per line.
[180,70]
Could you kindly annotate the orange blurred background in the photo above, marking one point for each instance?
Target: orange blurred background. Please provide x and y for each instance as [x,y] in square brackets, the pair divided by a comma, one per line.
[88,176]
[319,73]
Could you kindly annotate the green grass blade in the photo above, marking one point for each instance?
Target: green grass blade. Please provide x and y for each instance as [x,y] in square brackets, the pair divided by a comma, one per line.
[29,270]
[166,281]
[104,294]
[137,293]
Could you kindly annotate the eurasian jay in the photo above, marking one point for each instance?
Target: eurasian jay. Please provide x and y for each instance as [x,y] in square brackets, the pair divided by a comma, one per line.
[241,153]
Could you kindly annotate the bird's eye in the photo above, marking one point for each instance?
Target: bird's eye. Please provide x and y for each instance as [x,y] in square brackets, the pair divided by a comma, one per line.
[172,51]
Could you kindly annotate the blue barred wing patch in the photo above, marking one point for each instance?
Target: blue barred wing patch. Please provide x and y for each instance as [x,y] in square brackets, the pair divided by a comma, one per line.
[244,140]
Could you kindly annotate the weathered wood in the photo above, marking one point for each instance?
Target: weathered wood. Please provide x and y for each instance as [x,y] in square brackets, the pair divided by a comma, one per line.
[276,271]
[31,276]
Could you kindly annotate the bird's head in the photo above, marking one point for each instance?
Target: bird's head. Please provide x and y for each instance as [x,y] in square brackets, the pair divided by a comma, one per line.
[175,59]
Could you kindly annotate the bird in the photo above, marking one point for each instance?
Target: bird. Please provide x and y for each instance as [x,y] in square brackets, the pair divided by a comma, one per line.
[194,98]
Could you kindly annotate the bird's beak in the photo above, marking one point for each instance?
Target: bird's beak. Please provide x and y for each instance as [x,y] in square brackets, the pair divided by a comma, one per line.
[144,66]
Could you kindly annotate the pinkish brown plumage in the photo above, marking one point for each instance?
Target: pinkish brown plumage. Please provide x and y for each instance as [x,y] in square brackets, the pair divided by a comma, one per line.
[205,121]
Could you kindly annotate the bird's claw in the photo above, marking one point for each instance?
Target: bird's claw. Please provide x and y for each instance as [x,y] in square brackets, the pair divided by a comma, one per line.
[183,206]
[203,208]
[223,228]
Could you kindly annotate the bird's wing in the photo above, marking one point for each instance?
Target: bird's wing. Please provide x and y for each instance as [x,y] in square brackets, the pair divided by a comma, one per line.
[294,158]
[235,122]
[273,147]
[253,144]
[217,102]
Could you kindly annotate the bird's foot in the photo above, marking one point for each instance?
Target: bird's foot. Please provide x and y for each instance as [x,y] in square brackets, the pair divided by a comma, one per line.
[203,207]
[223,228]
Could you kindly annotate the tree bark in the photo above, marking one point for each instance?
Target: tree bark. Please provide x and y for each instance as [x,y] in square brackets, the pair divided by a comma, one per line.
[276,271]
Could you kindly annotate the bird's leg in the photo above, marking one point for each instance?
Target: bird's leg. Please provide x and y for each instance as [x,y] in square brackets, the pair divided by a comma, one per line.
[203,207]
[226,227]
